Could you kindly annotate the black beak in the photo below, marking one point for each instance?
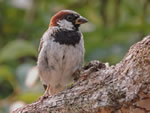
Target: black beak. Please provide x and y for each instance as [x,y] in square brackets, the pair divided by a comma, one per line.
[81,20]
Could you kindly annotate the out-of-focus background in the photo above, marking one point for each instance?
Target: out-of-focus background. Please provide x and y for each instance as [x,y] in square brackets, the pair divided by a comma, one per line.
[114,25]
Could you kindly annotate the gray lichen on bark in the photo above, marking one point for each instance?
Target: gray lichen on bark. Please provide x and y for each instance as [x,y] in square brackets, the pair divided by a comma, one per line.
[101,87]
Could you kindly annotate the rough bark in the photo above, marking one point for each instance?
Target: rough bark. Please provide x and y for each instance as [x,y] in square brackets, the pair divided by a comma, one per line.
[100,88]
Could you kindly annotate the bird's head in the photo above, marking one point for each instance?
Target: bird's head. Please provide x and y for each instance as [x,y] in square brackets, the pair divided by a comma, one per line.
[67,19]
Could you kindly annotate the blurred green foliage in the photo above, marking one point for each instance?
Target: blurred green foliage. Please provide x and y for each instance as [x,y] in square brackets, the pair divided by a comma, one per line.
[114,25]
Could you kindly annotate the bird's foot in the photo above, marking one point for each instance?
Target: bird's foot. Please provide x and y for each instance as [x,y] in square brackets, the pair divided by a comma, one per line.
[46,94]
[43,97]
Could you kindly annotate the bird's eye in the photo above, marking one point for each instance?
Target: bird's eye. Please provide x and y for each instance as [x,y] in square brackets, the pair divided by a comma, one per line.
[69,17]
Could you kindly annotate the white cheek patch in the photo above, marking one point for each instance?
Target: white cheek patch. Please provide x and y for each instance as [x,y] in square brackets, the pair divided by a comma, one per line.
[65,24]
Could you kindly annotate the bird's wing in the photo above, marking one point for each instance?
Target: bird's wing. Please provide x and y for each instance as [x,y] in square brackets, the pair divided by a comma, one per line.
[45,35]
[40,46]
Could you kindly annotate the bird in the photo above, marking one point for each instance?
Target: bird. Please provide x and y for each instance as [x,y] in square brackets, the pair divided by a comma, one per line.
[61,51]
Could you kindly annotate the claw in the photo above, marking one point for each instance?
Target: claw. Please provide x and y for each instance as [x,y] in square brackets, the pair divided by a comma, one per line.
[45,95]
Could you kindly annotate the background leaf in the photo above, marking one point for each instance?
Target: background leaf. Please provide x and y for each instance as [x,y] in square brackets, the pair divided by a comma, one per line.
[17,49]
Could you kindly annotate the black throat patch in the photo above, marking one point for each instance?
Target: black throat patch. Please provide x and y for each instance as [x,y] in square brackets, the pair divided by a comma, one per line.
[67,37]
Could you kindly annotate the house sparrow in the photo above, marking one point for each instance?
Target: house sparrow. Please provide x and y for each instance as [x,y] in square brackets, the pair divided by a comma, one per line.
[61,51]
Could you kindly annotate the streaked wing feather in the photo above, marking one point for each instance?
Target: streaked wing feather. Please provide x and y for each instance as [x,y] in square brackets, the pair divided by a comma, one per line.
[41,44]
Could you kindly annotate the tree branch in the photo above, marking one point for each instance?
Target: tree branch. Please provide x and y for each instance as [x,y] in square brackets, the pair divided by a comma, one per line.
[100,88]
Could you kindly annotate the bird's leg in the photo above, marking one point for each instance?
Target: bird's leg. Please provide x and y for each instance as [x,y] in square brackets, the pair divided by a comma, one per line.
[46,93]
